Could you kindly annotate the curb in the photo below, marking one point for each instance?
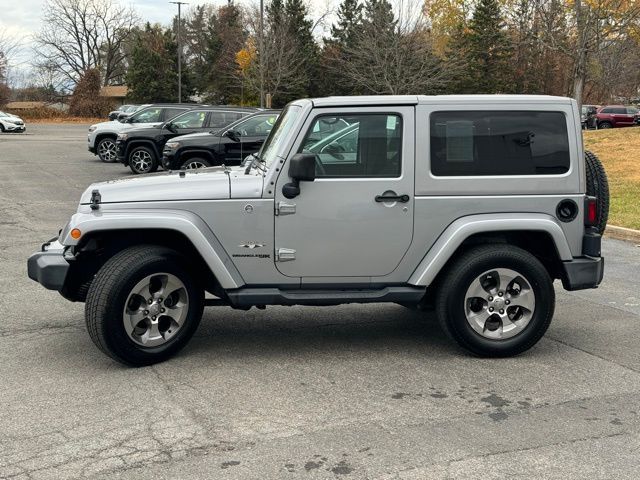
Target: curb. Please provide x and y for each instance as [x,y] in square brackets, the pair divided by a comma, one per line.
[622,233]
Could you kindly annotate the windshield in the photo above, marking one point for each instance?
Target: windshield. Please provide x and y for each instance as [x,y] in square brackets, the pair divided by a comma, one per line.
[279,134]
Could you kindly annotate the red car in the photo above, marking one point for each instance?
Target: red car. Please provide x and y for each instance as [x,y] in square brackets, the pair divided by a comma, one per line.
[614,116]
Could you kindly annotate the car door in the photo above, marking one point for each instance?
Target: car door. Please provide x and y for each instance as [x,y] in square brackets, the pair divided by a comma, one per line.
[620,117]
[340,225]
[249,135]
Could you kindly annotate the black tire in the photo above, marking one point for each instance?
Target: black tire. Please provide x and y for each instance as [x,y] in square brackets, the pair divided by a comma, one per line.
[196,160]
[148,165]
[605,125]
[102,146]
[1,128]
[450,299]
[598,186]
[110,289]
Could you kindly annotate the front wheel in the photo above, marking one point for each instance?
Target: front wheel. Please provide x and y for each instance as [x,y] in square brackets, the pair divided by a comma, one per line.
[142,160]
[194,163]
[143,306]
[496,301]
[106,149]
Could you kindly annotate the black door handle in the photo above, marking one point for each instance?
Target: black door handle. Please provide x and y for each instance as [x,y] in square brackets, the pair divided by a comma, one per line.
[392,198]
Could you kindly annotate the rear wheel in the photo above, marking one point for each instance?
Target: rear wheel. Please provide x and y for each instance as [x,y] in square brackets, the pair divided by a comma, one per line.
[106,149]
[143,306]
[605,125]
[496,301]
[142,160]
[598,186]
[196,162]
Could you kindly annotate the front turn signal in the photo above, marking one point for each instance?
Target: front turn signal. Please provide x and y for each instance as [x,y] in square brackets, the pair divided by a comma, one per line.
[75,234]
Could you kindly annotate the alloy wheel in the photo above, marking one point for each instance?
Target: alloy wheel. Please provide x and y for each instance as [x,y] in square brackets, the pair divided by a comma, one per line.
[107,151]
[192,165]
[156,309]
[499,304]
[141,161]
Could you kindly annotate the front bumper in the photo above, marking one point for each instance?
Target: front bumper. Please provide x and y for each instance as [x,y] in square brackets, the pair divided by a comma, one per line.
[582,273]
[169,159]
[121,149]
[49,267]
[15,128]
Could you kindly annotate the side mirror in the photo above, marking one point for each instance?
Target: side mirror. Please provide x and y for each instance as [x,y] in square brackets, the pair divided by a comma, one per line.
[302,168]
[170,126]
[233,135]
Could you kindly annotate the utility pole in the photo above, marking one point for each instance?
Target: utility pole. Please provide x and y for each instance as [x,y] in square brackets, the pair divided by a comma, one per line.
[260,48]
[179,51]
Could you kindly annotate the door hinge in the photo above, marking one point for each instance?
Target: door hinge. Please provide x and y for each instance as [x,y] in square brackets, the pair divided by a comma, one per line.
[285,254]
[284,208]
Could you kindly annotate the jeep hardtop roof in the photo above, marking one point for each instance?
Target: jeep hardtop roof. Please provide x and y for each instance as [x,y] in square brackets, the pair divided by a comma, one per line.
[431,99]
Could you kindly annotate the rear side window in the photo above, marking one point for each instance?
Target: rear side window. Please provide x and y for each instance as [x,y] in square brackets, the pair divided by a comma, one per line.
[169,113]
[473,143]
[148,115]
[220,119]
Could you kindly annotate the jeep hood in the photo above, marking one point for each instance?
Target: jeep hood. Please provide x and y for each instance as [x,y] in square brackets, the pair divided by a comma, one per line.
[212,183]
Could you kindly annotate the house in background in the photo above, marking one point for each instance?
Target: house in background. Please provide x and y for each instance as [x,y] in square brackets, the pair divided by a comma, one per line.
[115,93]
[17,107]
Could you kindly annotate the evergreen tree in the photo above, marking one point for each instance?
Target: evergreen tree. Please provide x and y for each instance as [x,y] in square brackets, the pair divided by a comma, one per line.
[300,28]
[343,36]
[378,15]
[486,49]
[153,69]
[348,22]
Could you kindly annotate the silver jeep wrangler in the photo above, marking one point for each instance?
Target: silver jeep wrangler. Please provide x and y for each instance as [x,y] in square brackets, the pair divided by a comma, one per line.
[469,205]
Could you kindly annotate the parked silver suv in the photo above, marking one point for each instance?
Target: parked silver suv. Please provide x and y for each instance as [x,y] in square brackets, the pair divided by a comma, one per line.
[471,205]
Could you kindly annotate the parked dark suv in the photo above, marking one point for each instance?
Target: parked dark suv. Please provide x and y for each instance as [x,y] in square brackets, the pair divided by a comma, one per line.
[102,136]
[614,116]
[227,146]
[141,148]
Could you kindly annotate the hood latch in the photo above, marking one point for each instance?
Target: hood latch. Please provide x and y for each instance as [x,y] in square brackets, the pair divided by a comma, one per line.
[96,198]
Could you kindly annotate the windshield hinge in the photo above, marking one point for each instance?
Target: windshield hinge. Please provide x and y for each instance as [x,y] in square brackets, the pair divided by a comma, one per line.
[284,208]
[96,198]
[285,254]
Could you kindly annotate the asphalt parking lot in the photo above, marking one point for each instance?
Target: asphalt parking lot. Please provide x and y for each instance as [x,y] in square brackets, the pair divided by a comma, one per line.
[359,392]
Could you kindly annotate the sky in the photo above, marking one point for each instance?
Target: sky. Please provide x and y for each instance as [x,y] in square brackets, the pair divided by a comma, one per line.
[22,19]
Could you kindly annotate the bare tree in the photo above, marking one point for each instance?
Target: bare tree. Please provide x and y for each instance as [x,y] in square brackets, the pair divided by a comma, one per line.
[81,34]
[394,57]
[282,59]
[9,47]
[593,24]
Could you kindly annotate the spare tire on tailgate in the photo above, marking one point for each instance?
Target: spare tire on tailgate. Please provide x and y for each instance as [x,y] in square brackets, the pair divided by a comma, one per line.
[597,186]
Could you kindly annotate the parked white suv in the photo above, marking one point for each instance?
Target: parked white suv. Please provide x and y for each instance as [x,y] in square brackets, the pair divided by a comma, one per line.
[11,123]
[469,205]
[102,136]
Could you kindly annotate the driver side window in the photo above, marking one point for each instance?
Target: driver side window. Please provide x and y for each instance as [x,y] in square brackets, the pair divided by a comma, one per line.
[356,145]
